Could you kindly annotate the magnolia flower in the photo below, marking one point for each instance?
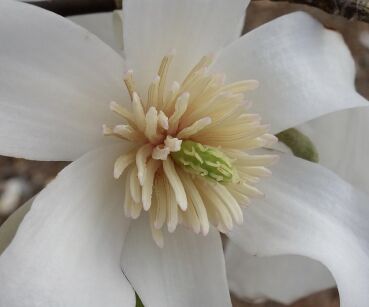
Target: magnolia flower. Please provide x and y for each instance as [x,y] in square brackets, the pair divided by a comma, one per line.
[330,134]
[173,163]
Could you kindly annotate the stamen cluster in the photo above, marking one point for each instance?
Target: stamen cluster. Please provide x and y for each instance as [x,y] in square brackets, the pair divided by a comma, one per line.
[188,164]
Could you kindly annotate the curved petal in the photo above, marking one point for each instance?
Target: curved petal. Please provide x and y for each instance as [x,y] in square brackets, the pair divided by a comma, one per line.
[279,278]
[10,226]
[304,70]
[56,82]
[310,211]
[106,26]
[67,250]
[341,141]
[193,28]
[188,271]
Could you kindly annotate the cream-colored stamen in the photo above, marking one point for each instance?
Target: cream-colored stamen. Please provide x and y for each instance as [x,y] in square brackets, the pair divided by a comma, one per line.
[138,112]
[180,109]
[128,116]
[163,120]
[147,187]
[188,164]
[121,164]
[160,152]
[162,73]
[161,208]
[152,125]
[141,157]
[127,132]
[153,92]
[241,86]
[194,128]
[128,80]
[171,96]
[134,185]
[175,183]
[174,144]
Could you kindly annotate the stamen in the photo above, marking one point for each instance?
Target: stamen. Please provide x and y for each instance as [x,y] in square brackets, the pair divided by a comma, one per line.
[229,200]
[127,133]
[122,163]
[243,158]
[180,109]
[153,93]
[269,139]
[172,207]
[204,62]
[221,211]
[135,188]
[204,108]
[248,190]
[152,125]
[258,171]
[175,182]
[128,201]
[162,73]
[128,80]
[174,144]
[147,187]
[136,209]
[190,218]
[241,86]
[196,199]
[242,199]
[167,106]
[163,120]
[160,152]
[142,154]
[160,202]
[194,128]
[128,116]
[138,112]
[107,130]
[157,235]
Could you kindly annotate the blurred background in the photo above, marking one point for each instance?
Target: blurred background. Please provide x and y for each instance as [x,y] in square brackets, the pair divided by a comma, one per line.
[21,179]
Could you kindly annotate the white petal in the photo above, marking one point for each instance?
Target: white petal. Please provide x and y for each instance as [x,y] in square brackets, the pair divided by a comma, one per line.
[106,26]
[152,29]
[66,251]
[310,211]
[187,271]
[304,70]
[56,83]
[279,278]
[10,226]
[341,139]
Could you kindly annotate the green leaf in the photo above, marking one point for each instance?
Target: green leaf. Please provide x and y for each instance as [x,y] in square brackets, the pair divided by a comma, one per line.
[300,144]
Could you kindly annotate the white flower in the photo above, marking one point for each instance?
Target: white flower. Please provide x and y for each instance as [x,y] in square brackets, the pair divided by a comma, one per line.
[57,81]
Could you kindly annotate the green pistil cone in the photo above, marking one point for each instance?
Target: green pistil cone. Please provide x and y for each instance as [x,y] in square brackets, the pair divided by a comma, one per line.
[205,161]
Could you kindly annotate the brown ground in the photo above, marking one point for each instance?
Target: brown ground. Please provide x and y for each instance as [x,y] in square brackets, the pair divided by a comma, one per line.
[34,175]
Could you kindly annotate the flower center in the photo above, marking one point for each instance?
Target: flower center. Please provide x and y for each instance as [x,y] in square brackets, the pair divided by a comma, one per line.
[188,164]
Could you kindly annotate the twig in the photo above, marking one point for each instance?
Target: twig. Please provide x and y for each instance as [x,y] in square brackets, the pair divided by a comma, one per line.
[350,9]
[76,7]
